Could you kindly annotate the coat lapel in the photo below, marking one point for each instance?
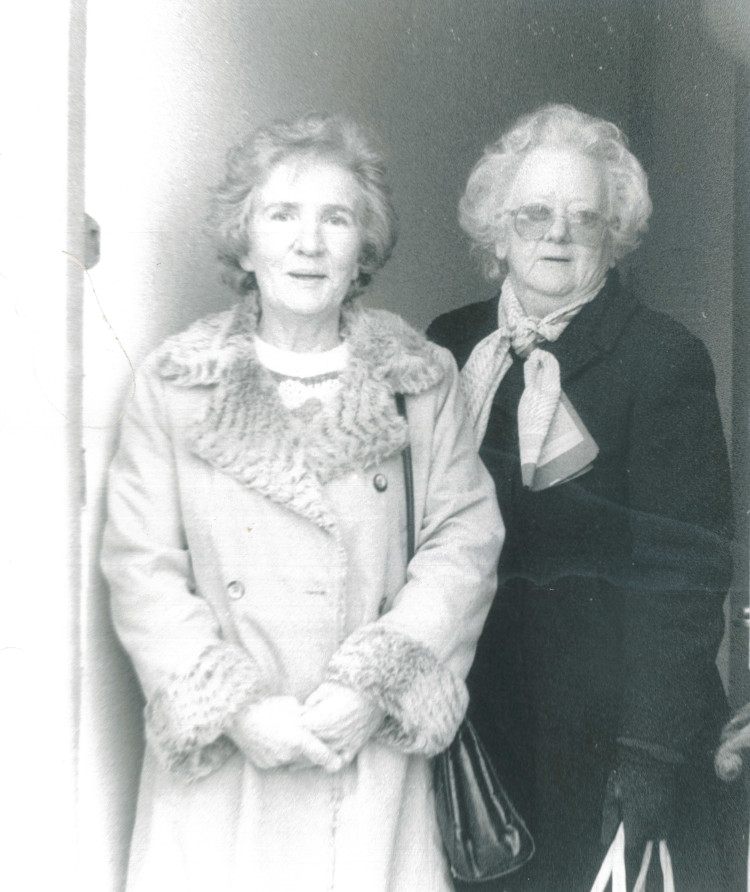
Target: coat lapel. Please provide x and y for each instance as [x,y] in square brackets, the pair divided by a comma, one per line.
[474,324]
[594,331]
[289,456]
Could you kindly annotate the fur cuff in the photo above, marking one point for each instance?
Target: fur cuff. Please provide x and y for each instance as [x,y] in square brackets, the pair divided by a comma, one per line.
[424,701]
[186,718]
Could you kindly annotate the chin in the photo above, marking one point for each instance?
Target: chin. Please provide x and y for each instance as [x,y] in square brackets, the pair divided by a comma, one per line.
[553,291]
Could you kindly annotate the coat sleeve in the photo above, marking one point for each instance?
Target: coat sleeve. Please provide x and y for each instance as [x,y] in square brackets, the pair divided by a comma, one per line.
[193,681]
[680,518]
[414,659]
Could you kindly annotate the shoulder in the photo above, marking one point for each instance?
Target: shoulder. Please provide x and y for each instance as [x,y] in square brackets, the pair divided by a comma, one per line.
[638,344]
[198,354]
[463,322]
[665,347]
[191,358]
[656,328]
[394,351]
[460,329]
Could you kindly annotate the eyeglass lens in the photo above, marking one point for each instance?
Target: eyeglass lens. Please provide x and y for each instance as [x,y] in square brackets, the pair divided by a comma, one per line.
[533,221]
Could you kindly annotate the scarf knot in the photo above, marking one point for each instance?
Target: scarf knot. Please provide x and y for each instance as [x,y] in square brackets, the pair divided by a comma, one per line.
[548,426]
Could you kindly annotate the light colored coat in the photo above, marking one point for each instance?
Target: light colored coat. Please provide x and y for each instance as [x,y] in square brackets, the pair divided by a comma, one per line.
[254,551]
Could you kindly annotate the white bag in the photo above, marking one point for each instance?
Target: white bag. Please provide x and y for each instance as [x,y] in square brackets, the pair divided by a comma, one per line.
[613,866]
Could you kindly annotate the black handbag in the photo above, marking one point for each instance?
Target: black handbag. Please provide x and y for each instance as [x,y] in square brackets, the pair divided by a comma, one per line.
[483,835]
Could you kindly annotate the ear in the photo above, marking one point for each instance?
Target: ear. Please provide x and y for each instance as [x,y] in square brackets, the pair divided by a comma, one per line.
[610,249]
[501,246]
[502,240]
[246,262]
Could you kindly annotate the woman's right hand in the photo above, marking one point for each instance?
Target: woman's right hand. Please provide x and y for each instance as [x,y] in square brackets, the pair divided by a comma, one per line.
[270,734]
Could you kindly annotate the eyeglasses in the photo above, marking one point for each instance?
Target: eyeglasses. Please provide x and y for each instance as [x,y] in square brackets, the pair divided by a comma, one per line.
[533,221]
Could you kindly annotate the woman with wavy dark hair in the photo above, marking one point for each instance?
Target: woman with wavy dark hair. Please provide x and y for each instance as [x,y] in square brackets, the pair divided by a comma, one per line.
[298,674]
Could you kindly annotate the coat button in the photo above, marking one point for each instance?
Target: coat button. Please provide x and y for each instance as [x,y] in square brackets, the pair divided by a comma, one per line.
[235,589]
[380,482]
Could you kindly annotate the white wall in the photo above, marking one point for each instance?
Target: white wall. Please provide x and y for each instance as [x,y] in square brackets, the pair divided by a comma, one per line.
[38,556]
[160,98]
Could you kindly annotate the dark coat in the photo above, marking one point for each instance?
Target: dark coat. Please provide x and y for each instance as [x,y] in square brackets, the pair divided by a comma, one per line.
[609,610]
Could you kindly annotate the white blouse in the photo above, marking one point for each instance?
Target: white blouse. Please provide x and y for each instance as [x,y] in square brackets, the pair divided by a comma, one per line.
[304,376]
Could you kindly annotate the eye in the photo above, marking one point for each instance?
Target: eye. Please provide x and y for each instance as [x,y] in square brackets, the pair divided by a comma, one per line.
[338,218]
[280,215]
[535,213]
[585,219]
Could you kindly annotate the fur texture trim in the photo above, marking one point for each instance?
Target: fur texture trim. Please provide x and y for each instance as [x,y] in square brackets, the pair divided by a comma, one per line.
[424,701]
[289,456]
[185,719]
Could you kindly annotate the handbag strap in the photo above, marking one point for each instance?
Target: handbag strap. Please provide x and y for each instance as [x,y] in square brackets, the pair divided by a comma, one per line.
[667,871]
[408,483]
[613,866]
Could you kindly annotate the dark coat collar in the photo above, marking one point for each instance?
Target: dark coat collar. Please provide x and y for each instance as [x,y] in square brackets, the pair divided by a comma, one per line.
[595,331]
[289,456]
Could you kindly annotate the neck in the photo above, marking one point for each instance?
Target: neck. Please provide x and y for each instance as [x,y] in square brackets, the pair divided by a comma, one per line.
[538,306]
[300,333]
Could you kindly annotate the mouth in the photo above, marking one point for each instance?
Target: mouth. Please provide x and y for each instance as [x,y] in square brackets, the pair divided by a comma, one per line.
[307,277]
[553,259]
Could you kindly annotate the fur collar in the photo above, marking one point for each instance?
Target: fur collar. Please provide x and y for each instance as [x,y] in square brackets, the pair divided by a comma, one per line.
[289,456]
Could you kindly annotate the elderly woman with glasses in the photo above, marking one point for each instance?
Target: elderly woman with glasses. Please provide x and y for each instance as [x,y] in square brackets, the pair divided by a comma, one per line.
[595,685]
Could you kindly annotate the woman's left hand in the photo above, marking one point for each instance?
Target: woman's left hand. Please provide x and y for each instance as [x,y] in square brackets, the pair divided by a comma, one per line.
[342,718]
[642,793]
[270,734]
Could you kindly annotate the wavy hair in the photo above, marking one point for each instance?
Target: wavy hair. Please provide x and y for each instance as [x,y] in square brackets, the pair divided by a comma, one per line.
[317,136]
[554,126]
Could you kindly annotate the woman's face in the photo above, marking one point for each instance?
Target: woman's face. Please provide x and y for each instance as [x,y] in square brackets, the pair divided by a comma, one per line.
[549,270]
[305,238]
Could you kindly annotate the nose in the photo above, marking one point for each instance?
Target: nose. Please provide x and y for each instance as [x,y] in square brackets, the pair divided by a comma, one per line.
[309,237]
[558,231]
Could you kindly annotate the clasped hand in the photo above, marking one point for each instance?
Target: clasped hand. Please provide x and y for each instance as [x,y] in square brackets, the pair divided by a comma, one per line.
[328,730]
[641,792]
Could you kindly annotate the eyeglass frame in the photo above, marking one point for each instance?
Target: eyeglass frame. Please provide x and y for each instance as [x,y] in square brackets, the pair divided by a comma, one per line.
[570,225]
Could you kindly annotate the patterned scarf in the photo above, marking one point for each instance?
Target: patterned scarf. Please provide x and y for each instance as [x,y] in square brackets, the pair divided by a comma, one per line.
[542,397]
